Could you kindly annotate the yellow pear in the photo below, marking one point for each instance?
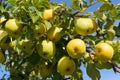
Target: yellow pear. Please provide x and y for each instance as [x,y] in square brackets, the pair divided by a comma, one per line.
[84,26]
[39,30]
[13,28]
[53,34]
[66,66]
[25,46]
[104,51]
[48,14]
[76,48]
[46,49]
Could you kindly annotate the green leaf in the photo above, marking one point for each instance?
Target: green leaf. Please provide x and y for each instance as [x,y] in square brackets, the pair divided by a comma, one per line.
[11,2]
[48,24]
[79,5]
[100,23]
[34,17]
[106,7]
[34,59]
[115,13]
[2,36]
[39,13]
[2,9]
[117,30]
[92,72]
[91,1]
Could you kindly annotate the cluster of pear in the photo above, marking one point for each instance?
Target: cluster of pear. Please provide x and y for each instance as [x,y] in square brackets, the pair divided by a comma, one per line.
[76,48]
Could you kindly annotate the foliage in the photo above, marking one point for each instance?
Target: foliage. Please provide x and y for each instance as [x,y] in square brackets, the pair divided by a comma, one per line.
[20,51]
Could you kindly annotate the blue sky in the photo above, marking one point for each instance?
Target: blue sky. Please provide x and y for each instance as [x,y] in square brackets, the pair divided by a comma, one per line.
[105,74]
[2,72]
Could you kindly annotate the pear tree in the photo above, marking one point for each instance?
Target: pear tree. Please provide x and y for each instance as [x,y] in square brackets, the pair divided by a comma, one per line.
[46,40]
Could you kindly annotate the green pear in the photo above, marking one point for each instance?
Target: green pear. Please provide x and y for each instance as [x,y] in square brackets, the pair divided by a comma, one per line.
[84,26]
[25,46]
[46,49]
[13,28]
[53,34]
[39,30]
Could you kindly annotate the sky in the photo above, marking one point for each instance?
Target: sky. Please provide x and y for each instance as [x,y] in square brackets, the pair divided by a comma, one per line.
[105,74]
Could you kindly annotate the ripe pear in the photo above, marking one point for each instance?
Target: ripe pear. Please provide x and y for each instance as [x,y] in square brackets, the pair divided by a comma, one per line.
[84,26]
[53,34]
[48,14]
[104,52]
[26,46]
[46,49]
[13,28]
[76,48]
[66,66]
[39,30]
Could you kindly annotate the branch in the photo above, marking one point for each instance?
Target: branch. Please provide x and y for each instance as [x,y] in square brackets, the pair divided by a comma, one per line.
[77,14]
[67,78]
[60,11]
[3,77]
[115,66]
[116,70]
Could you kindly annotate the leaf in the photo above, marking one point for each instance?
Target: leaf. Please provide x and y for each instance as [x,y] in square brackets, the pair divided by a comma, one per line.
[110,34]
[2,9]
[48,24]
[3,35]
[11,2]
[115,13]
[34,58]
[100,23]
[91,1]
[106,7]
[39,13]
[117,30]
[92,72]
[34,17]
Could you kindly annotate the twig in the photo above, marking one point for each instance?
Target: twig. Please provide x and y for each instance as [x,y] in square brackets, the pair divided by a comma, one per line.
[116,70]
[77,14]
[60,11]
[90,55]
[115,66]
[66,78]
